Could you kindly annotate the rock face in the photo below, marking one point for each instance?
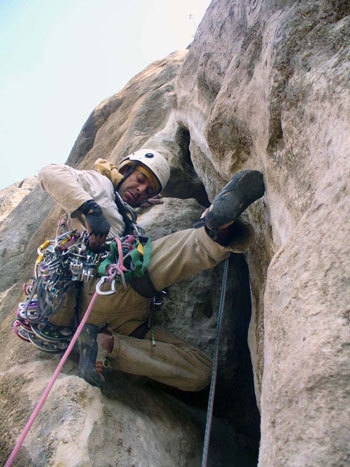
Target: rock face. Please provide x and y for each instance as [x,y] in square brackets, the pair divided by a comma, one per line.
[265,84]
[269,87]
[12,195]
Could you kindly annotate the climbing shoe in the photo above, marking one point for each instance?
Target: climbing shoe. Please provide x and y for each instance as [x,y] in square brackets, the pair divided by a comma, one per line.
[243,189]
[88,348]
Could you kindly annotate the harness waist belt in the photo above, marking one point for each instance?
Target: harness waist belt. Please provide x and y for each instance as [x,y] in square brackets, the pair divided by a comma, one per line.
[144,286]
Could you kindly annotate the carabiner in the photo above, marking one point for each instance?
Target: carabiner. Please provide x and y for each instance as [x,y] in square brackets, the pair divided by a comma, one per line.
[101,282]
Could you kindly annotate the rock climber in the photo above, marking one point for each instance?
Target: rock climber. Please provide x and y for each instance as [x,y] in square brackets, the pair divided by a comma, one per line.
[89,197]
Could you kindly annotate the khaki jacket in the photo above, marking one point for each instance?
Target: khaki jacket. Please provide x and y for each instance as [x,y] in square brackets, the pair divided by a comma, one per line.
[71,188]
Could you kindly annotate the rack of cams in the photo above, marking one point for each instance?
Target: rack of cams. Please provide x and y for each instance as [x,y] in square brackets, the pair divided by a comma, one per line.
[60,265]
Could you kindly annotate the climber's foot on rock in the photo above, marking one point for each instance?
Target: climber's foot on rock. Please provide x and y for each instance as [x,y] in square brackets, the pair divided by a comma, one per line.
[243,189]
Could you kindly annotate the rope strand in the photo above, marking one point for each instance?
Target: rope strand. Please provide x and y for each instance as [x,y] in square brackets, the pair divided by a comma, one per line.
[51,383]
[214,368]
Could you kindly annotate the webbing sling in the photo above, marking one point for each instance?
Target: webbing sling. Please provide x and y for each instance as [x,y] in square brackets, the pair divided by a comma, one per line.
[130,224]
[142,285]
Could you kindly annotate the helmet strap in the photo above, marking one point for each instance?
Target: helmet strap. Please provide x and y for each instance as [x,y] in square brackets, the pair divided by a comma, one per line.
[128,172]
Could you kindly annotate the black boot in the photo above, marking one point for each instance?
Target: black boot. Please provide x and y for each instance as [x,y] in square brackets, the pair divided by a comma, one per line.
[88,348]
[243,189]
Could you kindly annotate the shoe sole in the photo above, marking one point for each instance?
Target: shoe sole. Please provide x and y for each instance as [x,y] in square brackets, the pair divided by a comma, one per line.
[244,188]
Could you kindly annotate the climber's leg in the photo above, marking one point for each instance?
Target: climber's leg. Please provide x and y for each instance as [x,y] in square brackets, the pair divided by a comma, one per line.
[185,253]
[170,361]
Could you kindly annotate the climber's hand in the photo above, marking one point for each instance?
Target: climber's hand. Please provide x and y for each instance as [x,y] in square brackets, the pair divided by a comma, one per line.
[96,223]
[96,241]
[152,201]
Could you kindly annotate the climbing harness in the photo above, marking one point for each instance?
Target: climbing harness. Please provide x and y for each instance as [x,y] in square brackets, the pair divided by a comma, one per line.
[210,407]
[67,262]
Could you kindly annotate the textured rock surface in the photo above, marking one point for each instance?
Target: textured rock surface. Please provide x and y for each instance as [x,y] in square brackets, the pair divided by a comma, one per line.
[271,90]
[12,195]
[265,84]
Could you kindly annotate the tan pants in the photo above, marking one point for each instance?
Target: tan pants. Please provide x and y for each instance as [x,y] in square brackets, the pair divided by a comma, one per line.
[174,258]
[170,361]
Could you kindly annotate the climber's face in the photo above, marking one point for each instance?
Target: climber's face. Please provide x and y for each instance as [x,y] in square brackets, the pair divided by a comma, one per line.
[136,188]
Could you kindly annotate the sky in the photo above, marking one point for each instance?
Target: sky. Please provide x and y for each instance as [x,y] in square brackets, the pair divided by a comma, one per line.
[60,58]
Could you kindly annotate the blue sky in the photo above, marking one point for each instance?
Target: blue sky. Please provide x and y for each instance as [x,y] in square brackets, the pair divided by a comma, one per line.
[60,58]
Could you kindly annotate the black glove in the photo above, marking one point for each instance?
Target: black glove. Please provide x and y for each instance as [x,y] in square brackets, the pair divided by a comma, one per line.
[95,219]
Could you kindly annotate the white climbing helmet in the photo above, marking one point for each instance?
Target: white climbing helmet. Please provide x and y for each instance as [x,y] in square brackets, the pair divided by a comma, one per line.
[151,159]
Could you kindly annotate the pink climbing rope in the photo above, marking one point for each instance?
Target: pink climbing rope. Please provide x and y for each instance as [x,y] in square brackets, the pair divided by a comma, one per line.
[51,383]
[120,264]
